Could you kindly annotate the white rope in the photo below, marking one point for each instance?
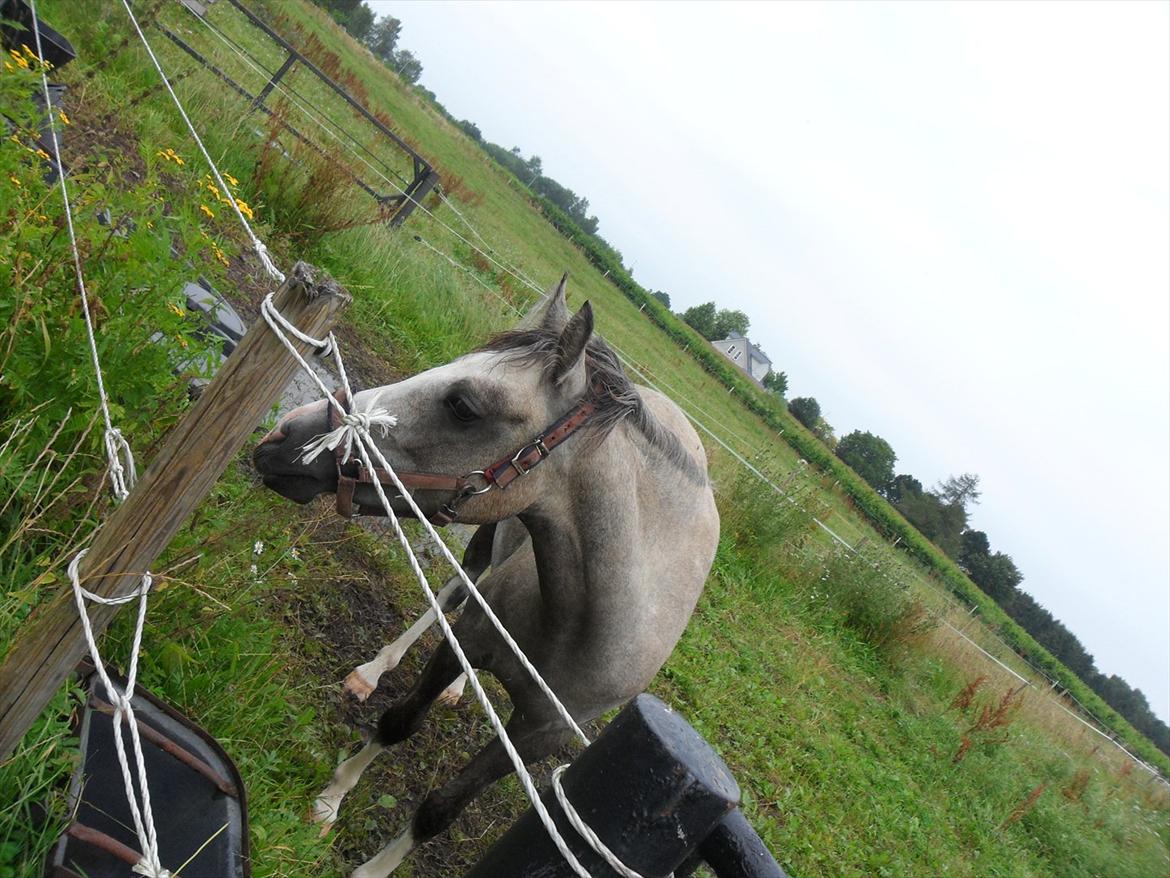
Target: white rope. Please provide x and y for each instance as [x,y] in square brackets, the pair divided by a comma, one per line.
[257,244]
[122,474]
[586,832]
[143,816]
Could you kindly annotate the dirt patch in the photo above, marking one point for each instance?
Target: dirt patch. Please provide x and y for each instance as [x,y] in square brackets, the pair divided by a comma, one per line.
[356,607]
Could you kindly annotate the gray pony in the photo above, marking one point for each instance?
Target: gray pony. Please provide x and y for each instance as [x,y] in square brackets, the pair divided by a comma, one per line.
[595,558]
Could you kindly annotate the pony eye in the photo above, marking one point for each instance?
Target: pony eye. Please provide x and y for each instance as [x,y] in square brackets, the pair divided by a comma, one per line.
[461,410]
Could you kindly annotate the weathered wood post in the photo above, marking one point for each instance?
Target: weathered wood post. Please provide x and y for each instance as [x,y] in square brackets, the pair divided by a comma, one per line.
[651,788]
[196,453]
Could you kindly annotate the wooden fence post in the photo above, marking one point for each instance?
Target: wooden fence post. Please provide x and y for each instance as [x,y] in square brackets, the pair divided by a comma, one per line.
[197,451]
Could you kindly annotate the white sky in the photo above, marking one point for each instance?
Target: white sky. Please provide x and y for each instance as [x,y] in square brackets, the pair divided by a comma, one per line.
[948,223]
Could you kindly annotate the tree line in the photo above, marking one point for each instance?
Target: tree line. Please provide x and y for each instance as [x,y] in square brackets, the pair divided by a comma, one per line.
[941,514]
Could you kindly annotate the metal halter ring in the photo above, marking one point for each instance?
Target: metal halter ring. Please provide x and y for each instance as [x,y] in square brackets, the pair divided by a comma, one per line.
[474,492]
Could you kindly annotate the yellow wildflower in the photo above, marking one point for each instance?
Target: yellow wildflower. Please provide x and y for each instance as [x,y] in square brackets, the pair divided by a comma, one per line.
[244,209]
[19,60]
[64,118]
[9,67]
[28,51]
[182,340]
[175,308]
[43,154]
[15,181]
[207,210]
[231,179]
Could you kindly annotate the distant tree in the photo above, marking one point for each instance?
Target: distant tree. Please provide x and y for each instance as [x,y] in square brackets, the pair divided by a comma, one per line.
[904,487]
[727,322]
[974,544]
[777,382]
[471,130]
[806,410]
[996,574]
[962,489]
[382,39]
[534,167]
[824,431]
[870,456]
[662,297]
[701,318]
[358,21]
[407,65]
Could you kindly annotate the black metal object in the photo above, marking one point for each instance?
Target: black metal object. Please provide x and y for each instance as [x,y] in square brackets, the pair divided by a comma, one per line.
[651,788]
[196,793]
[423,177]
[733,850]
[55,49]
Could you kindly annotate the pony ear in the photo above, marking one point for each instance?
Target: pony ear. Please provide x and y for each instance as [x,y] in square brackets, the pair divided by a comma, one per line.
[569,368]
[551,312]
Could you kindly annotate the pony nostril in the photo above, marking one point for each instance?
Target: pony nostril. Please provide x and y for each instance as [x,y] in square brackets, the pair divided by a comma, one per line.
[274,435]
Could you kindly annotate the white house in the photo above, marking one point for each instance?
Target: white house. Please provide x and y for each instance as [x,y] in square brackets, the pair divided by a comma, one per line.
[744,354]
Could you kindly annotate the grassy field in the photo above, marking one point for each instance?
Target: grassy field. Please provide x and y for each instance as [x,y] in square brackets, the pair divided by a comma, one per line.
[867,740]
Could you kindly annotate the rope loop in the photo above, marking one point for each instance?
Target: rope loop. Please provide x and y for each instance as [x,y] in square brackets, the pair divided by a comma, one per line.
[270,313]
[74,577]
[586,833]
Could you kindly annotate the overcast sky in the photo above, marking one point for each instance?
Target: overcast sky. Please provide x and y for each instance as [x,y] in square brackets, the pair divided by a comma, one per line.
[948,223]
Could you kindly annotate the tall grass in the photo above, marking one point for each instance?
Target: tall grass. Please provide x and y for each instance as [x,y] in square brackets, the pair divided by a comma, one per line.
[807,669]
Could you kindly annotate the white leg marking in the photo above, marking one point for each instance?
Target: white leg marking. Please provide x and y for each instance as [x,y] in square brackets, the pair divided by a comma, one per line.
[327,804]
[388,859]
[363,679]
[450,696]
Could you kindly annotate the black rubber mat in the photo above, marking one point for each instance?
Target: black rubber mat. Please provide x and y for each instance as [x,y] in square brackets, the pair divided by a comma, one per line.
[197,794]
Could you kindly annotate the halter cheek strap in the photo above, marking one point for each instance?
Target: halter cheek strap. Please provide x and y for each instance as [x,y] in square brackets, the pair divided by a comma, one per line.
[499,475]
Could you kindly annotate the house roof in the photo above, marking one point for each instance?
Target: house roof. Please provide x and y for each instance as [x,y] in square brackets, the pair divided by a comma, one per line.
[752,351]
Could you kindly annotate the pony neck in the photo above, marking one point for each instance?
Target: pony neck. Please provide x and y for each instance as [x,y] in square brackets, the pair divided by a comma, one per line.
[582,535]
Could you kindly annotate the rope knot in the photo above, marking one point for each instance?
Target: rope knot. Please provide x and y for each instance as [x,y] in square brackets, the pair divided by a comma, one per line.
[353,425]
[149,869]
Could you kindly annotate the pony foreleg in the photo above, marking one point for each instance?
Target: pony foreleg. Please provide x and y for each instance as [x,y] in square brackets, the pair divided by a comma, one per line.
[363,679]
[346,776]
[398,723]
[440,808]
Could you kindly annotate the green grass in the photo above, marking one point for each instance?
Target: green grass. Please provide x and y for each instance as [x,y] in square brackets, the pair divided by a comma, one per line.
[810,675]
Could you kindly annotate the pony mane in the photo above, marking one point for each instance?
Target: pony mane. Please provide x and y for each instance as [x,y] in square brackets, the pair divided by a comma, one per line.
[616,397]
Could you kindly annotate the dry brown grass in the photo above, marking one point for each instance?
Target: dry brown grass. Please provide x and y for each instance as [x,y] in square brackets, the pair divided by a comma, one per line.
[1074,790]
[989,727]
[1025,806]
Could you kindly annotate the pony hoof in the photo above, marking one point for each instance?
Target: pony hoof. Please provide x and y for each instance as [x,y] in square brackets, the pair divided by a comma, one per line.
[449,697]
[323,811]
[357,686]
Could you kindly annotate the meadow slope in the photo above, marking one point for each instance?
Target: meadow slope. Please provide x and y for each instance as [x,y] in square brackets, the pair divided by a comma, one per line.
[868,739]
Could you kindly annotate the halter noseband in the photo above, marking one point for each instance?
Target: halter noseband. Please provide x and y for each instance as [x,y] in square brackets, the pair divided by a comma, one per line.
[352,472]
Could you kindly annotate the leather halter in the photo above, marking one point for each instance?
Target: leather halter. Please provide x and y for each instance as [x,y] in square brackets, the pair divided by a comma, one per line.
[352,472]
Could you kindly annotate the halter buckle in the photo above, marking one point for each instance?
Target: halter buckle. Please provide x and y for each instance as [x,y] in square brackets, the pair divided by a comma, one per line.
[540,448]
